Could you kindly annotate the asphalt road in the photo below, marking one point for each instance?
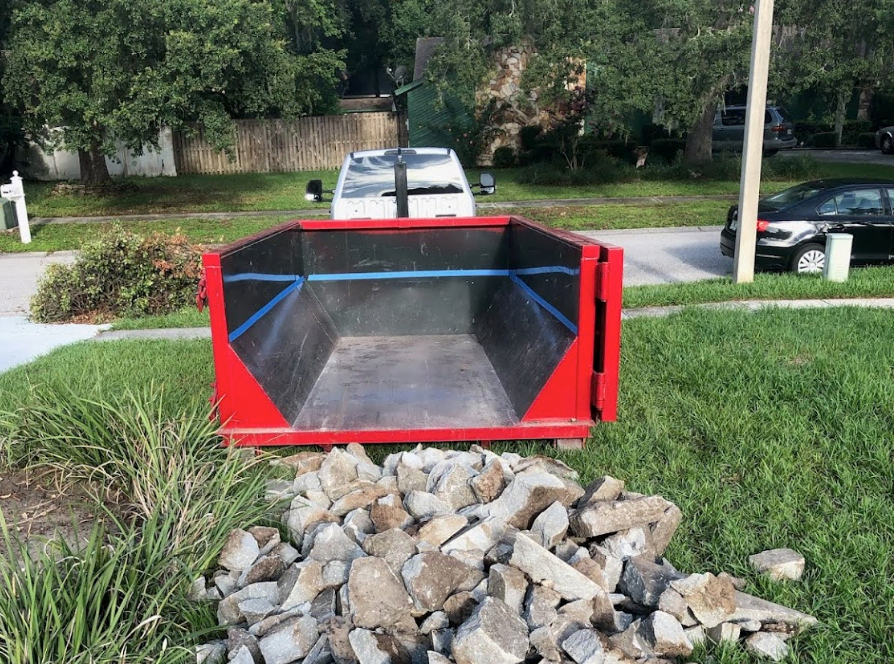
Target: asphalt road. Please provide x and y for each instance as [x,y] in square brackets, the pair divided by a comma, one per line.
[668,255]
[842,156]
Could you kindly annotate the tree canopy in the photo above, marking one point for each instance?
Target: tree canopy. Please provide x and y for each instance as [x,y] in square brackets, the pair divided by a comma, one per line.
[107,70]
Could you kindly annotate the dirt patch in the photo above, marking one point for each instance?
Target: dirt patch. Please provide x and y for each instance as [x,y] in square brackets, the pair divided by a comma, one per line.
[37,508]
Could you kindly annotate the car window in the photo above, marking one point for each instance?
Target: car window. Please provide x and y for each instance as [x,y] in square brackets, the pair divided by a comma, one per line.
[790,196]
[733,117]
[768,118]
[783,114]
[891,198]
[373,176]
[855,202]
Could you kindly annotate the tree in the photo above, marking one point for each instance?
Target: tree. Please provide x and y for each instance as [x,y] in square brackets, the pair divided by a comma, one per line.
[12,136]
[107,70]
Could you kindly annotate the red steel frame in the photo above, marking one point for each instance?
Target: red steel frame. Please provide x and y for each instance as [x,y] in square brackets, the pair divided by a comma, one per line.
[582,389]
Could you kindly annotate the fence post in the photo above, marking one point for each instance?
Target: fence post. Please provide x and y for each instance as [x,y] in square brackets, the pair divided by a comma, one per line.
[15,192]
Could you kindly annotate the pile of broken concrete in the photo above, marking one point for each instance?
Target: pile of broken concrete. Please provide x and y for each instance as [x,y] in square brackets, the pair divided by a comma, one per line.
[470,557]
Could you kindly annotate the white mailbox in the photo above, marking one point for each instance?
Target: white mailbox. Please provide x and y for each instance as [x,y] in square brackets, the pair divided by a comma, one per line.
[15,192]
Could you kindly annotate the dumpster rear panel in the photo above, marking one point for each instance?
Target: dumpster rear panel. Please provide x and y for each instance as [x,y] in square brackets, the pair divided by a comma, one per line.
[488,328]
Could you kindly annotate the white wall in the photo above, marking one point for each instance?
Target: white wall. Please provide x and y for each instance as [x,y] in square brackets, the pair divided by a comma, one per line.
[64,165]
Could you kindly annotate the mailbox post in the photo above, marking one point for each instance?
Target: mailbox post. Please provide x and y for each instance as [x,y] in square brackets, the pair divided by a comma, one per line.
[15,192]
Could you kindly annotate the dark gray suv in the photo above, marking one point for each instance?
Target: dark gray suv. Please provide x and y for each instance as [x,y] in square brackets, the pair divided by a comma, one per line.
[729,130]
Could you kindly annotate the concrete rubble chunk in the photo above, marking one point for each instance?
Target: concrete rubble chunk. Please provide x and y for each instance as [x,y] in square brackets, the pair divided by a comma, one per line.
[437,658]
[211,653]
[490,482]
[764,644]
[394,546]
[410,479]
[239,551]
[422,505]
[601,518]
[585,647]
[481,537]
[602,488]
[755,608]
[387,513]
[627,544]
[255,610]
[539,463]
[528,495]
[378,597]
[358,526]
[551,525]
[265,568]
[331,543]
[665,635]
[437,620]
[663,530]
[543,567]
[441,528]
[492,634]
[337,472]
[301,463]
[431,577]
[242,655]
[362,495]
[508,584]
[541,606]
[300,583]
[289,641]
[724,632]
[238,638]
[673,603]
[451,485]
[459,607]
[778,564]
[710,599]
[644,581]
[372,648]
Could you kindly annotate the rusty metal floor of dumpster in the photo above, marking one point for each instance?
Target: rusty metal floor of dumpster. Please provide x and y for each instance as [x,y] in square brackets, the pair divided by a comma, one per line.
[407,381]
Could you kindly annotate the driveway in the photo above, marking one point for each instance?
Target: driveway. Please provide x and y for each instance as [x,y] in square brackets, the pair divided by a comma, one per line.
[668,255]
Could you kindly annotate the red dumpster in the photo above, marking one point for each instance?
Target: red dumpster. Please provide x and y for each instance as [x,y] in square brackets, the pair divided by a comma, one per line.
[414,330]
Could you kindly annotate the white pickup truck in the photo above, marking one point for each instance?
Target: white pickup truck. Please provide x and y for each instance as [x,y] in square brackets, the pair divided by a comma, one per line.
[404,182]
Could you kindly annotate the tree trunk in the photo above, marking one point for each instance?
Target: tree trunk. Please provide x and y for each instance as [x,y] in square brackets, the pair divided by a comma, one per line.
[698,140]
[843,97]
[867,92]
[94,170]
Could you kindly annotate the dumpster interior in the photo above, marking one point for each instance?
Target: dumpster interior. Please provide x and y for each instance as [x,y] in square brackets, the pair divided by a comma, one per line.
[348,329]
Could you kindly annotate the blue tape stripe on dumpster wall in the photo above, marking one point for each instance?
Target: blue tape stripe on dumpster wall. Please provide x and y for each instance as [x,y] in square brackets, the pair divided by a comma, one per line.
[543,303]
[239,331]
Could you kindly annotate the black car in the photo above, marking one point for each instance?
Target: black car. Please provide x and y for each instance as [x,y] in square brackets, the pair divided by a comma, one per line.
[792,225]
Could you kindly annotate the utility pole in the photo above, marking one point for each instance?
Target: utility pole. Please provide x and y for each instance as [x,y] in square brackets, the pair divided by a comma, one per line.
[750,181]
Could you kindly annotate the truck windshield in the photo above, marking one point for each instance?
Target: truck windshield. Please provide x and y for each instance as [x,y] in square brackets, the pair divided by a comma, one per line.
[373,176]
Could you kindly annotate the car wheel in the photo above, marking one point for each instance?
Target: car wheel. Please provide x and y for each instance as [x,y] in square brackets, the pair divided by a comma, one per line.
[809,259]
[887,144]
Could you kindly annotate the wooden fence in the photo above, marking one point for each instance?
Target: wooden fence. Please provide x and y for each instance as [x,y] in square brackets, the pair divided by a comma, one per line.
[276,146]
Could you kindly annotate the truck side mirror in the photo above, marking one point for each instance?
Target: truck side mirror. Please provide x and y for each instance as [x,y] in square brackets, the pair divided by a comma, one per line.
[487,184]
[314,191]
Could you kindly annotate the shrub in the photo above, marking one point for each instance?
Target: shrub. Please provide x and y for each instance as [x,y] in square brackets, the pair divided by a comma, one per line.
[598,168]
[866,139]
[666,150]
[504,157]
[824,139]
[120,274]
[802,167]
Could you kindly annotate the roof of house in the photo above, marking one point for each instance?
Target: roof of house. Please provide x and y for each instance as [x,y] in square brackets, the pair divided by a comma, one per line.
[425,48]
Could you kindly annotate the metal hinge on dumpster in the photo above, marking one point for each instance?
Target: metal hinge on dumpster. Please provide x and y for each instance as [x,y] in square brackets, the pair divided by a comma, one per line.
[597,389]
[602,282]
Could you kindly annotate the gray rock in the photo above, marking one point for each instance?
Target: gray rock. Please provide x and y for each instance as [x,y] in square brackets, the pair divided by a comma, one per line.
[307,482]
[492,634]
[508,584]
[211,653]
[422,505]
[695,634]
[415,645]
[321,653]
[286,552]
[361,496]
[600,489]
[543,642]
[644,581]
[572,617]
[540,608]
[778,564]
[331,543]
[387,513]
[442,639]
[551,525]
[371,648]
[568,550]
[431,577]
[437,620]
[259,629]
[357,451]
[266,537]
[358,526]
[437,658]
[481,537]
[368,472]
[544,567]
[335,573]
[241,638]
[255,610]
[665,635]
[394,546]
[724,632]
[378,597]
[228,612]
[604,616]
[303,515]
[612,566]
[241,655]
[490,482]
[601,518]
[276,491]
[627,544]
[631,643]
[430,457]
[764,644]
[226,582]
[585,647]
[301,463]
[673,603]
[749,607]
[410,479]
[337,472]
[265,568]
[337,631]
[239,551]
[449,481]
[750,625]
[319,498]
[663,530]
[300,583]
[290,640]
[528,495]
[323,606]
[543,464]
[710,599]
[439,529]
[459,607]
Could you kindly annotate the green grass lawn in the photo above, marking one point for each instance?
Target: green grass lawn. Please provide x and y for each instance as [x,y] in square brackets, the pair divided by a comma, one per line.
[769,429]
[285,191]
